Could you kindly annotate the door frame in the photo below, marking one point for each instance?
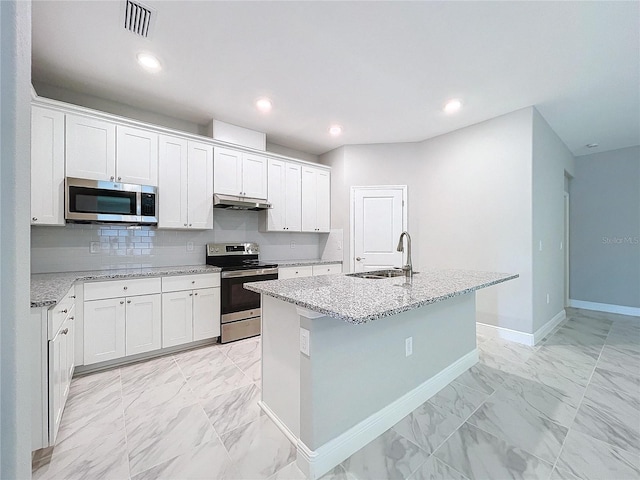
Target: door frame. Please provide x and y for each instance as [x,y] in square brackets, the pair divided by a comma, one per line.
[352,224]
[567,269]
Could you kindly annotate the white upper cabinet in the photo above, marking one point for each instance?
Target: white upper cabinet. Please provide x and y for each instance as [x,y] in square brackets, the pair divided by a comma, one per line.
[47,167]
[91,151]
[240,174]
[90,148]
[172,183]
[136,156]
[316,199]
[185,193]
[284,187]
[200,182]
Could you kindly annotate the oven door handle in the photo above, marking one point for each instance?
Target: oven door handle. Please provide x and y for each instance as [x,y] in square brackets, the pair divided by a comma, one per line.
[249,273]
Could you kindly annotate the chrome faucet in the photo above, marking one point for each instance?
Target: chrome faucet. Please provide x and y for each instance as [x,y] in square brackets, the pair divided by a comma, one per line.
[408,268]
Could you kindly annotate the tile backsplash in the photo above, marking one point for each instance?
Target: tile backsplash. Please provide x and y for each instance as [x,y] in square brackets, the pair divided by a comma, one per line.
[78,247]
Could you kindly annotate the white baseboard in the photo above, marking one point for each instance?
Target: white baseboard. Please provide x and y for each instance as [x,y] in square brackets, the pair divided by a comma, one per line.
[544,330]
[505,333]
[315,463]
[605,307]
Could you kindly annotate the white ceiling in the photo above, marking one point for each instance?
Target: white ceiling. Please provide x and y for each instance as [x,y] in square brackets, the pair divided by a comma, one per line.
[383,70]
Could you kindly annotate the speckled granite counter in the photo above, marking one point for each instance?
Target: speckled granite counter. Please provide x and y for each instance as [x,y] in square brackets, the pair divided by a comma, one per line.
[48,288]
[301,263]
[359,300]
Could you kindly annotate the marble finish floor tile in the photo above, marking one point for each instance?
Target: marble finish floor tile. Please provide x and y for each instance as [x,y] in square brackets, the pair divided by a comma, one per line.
[210,384]
[513,420]
[480,455]
[588,325]
[621,360]
[617,381]
[556,370]
[244,350]
[583,342]
[434,469]
[504,355]
[162,433]
[457,399]
[612,417]
[165,396]
[105,458]
[258,449]
[252,368]
[389,456]
[292,472]
[482,378]
[201,360]
[233,409]
[584,458]
[144,375]
[207,461]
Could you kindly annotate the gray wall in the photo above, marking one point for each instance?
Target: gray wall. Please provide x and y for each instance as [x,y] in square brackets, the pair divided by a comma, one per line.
[68,248]
[605,228]
[290,152]
[15,114]
[552,160]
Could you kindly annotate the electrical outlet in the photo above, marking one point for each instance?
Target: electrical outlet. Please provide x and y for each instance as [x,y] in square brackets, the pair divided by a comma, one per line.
[547,298]
[189,246]
[304,341]
[408,346]
[293,244]
[95,247]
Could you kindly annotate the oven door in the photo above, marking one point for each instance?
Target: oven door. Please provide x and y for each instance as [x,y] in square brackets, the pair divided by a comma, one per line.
[236,301]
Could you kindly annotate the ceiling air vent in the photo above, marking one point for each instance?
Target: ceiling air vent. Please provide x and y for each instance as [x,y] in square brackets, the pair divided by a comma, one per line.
[137,18]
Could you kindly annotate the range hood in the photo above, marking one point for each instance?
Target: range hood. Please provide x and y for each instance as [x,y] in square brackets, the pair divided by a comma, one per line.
[233,202]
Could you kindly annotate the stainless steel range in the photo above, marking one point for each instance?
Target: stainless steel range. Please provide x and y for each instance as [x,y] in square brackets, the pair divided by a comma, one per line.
[240,308]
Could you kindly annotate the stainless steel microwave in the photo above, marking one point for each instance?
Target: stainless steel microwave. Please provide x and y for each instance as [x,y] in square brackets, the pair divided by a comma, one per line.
[97,201]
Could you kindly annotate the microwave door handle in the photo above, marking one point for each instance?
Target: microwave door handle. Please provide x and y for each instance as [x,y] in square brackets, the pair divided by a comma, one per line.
[139,204]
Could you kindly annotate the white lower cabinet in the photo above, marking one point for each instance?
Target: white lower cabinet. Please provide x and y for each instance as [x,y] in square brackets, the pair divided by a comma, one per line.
[190,315]
[61,366]
[104,330]
[309,271]
[143,320]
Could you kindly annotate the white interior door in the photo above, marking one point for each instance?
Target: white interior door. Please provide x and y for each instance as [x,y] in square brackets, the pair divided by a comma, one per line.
[378,219]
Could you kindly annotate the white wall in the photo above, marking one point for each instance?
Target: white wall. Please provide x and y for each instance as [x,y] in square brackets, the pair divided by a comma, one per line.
[15,114]
[290,152]
[552,161]
[476,211]
[605,228]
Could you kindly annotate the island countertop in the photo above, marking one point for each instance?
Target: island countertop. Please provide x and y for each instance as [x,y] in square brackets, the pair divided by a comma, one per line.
[360,300]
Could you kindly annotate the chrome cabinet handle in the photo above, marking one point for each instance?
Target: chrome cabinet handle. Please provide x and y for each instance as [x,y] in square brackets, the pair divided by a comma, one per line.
[196,294]
[71,318]
[35,219]
[128,301]
[64,311]
[65,331]
[359,258]
[193,281]
[121,302]
[72,296]
[126,288]
[191,294]
[190,224]
[112,177]
[119,178]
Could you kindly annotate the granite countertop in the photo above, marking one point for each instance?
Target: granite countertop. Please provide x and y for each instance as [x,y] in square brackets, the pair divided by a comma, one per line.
[48,288]
[301,263]
[359,300]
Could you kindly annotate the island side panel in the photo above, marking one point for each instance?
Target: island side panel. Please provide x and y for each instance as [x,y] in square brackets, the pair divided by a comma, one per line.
[281,361]
[356,370]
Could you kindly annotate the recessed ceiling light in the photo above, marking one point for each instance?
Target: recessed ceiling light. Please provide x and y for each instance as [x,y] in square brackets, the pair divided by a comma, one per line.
[592,145]
[335,130]
[149,62]
[264,105]
[452,106]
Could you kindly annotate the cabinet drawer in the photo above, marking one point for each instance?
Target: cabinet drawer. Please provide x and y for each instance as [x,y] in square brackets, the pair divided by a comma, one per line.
[59,313]
[190,282]
[121,288]
[327,269]
[294,272]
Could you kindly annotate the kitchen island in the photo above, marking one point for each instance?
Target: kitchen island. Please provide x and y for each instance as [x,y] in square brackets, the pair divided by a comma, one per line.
[344,358]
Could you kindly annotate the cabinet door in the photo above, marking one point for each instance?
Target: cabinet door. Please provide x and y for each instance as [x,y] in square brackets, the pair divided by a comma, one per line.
[177,318]
[137,156]
[292,197]
[104,330]
[47,167]
[90,148]
[206,313]
[276,175]
[143,324]
[200,185]
[57,359]
[70,356]
[227,171]
[309,199]
[295,272]
[323,201]
[173,183]
[254,176]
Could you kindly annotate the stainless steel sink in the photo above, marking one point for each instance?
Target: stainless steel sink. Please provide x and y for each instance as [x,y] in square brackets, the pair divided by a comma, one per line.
[378,274]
